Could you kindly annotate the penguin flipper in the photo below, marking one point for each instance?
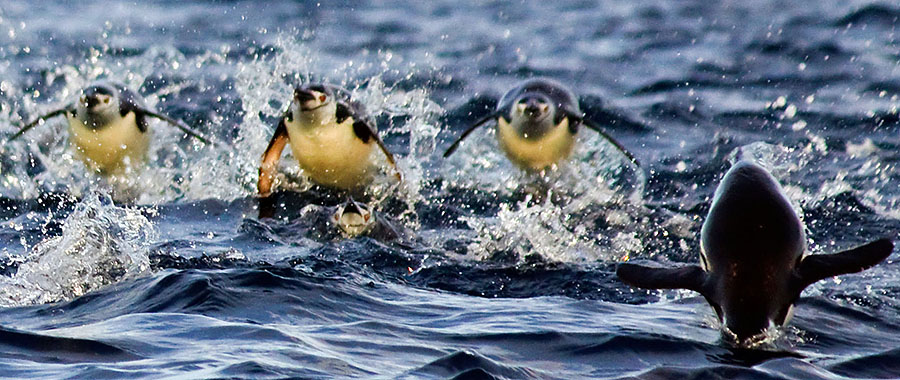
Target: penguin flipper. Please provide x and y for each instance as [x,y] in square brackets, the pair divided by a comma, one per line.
[176,123]
[690,277]
[35,122]
[466,133]
[131,102]
[364,131]
[609,138]
[270,159]
[817,267]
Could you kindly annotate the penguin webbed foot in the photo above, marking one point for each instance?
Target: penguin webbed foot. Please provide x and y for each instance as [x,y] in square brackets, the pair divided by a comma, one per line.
[269,162]
[266,181]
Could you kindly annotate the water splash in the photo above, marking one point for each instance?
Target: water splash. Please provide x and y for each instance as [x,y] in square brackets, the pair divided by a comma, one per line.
[265,86]
[179,169]
[558,233]
[418,113]
[584,210]
[47,145]
[100,244]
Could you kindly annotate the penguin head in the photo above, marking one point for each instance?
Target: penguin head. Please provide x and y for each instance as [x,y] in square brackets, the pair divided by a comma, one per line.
[746,327]
[533,115]
[314,104]
[533,107]
[749,302]
[353,218]
[97,105]
[311,97]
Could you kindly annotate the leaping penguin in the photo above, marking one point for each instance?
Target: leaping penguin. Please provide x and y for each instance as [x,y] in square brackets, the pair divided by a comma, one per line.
[543,119]
[753,261]
[331,137]
[353,218]
[108,126]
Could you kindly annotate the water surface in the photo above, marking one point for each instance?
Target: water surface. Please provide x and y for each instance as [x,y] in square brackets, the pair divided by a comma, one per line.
[492,273]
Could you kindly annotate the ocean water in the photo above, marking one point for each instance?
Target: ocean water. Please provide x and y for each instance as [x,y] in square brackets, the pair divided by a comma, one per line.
[476,270]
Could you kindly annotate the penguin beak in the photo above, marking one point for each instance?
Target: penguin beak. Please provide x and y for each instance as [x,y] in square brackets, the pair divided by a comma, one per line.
[532,109]
[309,99]
[352,207]
[88,101]
[303,96]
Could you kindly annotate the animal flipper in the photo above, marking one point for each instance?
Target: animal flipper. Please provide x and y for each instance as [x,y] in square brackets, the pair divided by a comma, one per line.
[176,123]
[270,159]
[609,138]
[817,267]
[35,122]
[690,277]
[466,133]
[364,130]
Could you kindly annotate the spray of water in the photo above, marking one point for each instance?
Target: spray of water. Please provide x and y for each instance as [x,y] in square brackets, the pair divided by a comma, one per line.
[47,144]
[100,244]
[596,186]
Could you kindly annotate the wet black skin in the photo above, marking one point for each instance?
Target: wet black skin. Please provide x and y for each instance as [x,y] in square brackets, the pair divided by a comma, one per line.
[753,267]
[305,93]
[753,239]
[534,93]
[547,90]
[91,95]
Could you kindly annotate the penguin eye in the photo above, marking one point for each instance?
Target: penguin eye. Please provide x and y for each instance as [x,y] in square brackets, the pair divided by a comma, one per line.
[322,98]
[106,100]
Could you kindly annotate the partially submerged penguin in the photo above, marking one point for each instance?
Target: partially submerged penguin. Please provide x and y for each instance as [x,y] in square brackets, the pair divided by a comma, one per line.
[331,137]
[348,220]
[537,122]
[753,261]
[353,218]
[108,126]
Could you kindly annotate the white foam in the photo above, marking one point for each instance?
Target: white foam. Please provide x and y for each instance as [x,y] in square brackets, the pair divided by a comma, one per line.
[100,244]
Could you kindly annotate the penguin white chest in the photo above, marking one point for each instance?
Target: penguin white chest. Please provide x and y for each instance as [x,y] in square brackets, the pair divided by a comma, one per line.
[110,148]
[535,154]
[331,154]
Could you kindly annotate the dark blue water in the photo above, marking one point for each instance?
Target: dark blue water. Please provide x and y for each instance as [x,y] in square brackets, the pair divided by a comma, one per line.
[478,270]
